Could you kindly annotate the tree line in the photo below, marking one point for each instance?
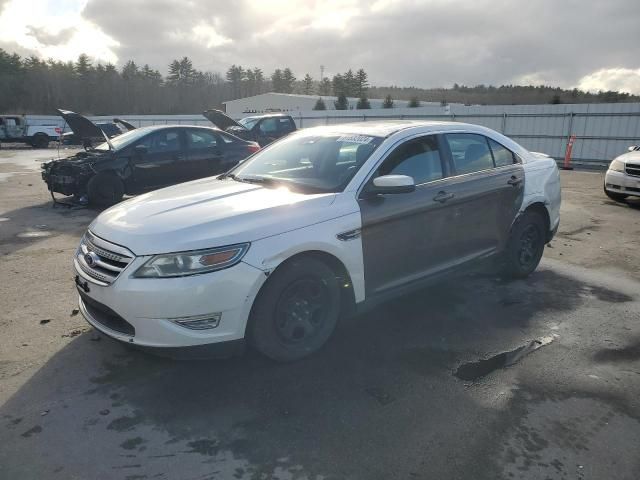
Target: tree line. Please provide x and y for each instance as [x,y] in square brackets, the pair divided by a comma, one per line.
[36,86]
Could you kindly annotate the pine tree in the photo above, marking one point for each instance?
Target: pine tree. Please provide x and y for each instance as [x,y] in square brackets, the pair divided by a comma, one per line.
[276,81]
[325,87]
[83,65]
[320,104]
[362,83]
[388,102]
[288,79]
[307,85]
[341,103]
[363,104]
[414,102]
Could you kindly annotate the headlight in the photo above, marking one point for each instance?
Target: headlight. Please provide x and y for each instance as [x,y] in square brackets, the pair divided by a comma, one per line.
[192,263]
[617,166]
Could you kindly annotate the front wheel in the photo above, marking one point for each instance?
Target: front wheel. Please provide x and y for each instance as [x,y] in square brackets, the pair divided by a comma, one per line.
[105,189]
[616,197]
[525,246]
[296,311]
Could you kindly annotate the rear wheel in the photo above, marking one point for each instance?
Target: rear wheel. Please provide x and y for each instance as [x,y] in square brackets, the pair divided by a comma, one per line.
[616,197]
[105,189]
[40,140]
[296,310]
[526,245]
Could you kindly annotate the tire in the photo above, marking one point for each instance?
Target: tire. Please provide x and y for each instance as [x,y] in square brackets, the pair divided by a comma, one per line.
[525,246]
[105,189]
[296,311]
[616,197]
[40,140]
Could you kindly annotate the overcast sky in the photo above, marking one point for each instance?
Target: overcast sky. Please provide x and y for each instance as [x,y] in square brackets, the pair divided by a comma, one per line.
[590,44]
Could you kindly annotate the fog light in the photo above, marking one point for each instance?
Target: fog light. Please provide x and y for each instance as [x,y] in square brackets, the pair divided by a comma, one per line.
[199,322]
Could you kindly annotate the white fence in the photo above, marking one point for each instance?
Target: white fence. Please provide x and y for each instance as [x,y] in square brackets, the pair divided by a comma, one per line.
[602,131]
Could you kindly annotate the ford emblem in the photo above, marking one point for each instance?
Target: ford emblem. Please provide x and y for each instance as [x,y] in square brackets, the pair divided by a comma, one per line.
[91,259]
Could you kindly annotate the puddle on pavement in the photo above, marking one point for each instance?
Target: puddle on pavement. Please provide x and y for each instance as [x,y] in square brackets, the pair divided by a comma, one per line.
[35,234]
[475,370]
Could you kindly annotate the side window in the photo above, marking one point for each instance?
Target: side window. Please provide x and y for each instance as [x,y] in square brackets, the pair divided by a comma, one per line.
[226,138]
[418,158]
[269,125]
[501,155]
[285,124]
[199,139]
[470,152]
[164,141]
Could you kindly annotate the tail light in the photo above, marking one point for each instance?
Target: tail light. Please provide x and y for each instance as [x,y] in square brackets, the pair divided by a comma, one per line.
[253,148]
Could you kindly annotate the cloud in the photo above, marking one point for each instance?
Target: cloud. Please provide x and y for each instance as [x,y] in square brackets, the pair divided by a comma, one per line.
[621,79]
[53,29]
[403,42]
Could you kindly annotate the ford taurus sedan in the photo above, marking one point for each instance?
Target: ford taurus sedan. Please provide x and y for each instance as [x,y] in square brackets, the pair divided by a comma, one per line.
[321,224]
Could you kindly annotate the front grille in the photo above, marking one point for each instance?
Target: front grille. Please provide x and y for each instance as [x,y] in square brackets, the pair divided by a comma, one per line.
[633,169]
[107,317]
[101,261]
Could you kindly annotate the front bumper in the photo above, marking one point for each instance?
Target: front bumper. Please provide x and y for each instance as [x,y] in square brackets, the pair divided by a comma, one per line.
[139,311]
[619,182]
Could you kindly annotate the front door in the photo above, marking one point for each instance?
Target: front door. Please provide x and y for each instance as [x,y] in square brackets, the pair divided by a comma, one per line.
[406,237]
[159,165]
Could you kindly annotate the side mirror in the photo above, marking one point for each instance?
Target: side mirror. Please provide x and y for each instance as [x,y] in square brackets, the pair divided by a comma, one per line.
[633,148]
[140,150]
[389,184]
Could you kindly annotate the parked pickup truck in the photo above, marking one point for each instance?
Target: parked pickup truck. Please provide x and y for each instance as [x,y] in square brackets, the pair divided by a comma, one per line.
[324,223]
[263,129]
[15,129]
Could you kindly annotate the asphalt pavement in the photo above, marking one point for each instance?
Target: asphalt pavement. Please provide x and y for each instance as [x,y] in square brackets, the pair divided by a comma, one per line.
[475,378]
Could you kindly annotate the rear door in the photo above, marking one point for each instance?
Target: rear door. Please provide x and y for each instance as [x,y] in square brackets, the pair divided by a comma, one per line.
[406,237]
[159,166]
[205,154]
[488,193]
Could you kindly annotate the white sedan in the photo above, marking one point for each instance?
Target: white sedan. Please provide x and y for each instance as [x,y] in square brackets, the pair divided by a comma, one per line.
[622,179]
[319,225]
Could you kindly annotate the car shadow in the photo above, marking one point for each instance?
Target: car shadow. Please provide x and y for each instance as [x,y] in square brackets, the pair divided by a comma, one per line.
[369,405]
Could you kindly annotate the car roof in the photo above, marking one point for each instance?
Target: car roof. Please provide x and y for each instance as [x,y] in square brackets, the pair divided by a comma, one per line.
[385,128]
[161,127]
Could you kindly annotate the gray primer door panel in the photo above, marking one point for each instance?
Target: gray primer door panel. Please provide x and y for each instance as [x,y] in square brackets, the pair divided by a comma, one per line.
[404,236]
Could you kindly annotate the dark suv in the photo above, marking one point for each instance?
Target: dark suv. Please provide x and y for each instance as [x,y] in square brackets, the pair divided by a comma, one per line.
[263,129]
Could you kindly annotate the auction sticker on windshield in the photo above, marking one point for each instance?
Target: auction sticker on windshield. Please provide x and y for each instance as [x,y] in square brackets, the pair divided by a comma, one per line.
[355,139]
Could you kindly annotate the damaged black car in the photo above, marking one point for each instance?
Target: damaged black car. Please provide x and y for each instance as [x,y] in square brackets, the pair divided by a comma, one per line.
[140,160]
[262,129]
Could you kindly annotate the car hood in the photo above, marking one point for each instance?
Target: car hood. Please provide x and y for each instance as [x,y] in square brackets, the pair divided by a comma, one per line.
[81,126]
[221,119]
[630,156]
[208,213]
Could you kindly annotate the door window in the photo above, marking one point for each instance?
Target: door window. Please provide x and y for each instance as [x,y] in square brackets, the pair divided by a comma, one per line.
[470,152]
[285,125]
[269,125]
[199,139]
[418,158]
[501,155]
[164,141]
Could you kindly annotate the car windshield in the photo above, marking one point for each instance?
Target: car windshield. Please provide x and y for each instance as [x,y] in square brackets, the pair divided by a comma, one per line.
[123,140]
[248,122]
[309,163]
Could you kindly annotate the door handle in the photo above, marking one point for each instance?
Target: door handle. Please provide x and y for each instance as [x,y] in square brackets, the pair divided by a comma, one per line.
[443,197]
[514,181]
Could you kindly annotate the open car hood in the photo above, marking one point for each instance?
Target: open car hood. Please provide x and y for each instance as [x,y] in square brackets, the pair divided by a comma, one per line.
[221,119]
[126,125]
[82,127]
